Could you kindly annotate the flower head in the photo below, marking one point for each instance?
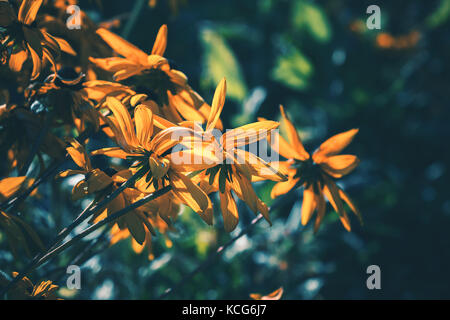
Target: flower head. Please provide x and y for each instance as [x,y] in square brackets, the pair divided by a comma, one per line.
[316,173]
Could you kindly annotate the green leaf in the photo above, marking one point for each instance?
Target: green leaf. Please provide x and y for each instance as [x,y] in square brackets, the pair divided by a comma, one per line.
[293,70]
[307,16]
[219,61]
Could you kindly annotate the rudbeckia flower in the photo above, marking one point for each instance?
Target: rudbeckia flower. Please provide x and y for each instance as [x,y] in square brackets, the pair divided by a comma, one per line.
[316,173]
[235,172]
[150,153]
[27,40]
[153,75]
[95,180]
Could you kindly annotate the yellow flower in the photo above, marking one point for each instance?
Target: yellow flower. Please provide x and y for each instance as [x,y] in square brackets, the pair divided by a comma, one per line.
[95,179]
[29,40]
[316,173]
[153,75]
[238,166]
[151,153]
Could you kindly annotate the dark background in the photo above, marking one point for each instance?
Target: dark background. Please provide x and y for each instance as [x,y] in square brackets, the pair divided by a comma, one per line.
[331,73]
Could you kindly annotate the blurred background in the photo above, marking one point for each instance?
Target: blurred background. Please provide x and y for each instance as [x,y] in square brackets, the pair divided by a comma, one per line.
[331,73]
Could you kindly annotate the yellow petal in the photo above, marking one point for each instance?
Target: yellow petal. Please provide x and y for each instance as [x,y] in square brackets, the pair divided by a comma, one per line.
[143,118]
[294,138]
[78,154]
[123,119]
[123,47]
[335,144]
[135,227]
[338,166]
[17,59]
[247,134]
[188,192]
[217,104]
[9,186]
[283,187]
[159,47]
[98,180]
[259,167]
[331,191]
[229,210]
[308,204]
[113,152]
[28,11]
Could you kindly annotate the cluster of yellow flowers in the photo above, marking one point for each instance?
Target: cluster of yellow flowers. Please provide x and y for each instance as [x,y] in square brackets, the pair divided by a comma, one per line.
[152,116]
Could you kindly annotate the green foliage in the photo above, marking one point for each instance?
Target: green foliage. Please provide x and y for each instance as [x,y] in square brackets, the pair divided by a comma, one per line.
[310,17]
[293,69]
[219,61]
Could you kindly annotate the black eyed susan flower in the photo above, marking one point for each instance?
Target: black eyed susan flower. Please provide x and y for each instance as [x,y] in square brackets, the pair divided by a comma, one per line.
[235,171]
[151,153]
[153,75]
[317,173]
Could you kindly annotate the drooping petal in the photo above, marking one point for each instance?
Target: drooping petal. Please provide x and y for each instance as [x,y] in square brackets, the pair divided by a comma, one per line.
[113,152]
[9,186]
[17,59]
[98,180]
[308,205]
[321,206]
[331,191]
[78,154]
[350,203]
[259,167]
[188,192]
[229,210]
[80,190]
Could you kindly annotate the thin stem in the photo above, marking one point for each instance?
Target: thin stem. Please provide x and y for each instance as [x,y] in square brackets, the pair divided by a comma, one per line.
[35,147]
[39,260]
[210,258]
[133,18]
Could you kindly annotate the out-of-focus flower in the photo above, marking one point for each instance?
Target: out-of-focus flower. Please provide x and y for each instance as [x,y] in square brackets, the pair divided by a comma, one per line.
[276,295]
[25,290]
[387,41]
[316,173]
[27,40]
